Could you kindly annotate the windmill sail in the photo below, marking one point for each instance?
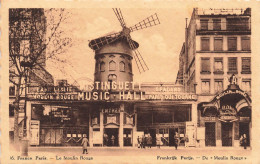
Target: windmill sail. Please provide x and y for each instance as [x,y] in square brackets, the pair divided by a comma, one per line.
[125,34]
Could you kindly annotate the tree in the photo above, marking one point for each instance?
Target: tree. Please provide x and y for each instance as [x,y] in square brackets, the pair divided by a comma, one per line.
[35,35]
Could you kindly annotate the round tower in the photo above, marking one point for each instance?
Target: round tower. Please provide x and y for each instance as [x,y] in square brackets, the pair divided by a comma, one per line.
[114,62]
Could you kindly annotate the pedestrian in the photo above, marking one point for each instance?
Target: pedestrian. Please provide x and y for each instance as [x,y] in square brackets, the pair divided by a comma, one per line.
[243,140]
[158,141]
[113,140]
[139,142]
[143,142]
[149,141]
[176,140]
[105,139]
[186,140]
[85,144]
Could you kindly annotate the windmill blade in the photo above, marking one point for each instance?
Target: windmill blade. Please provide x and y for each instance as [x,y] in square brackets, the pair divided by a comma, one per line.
[99,42]
[150,21]
[142,67]
[119,17]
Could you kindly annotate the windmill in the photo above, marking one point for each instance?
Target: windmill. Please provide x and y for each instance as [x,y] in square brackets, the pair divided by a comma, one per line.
[150,21]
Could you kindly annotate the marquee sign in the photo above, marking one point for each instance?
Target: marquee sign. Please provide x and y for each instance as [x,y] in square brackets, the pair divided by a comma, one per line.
[227,114]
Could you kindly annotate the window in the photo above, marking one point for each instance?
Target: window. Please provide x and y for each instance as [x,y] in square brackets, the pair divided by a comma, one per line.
[112,77]
[102,67]
[218,85]
[130,67]
[122,66]
[205,86]
[204,24]
[112,66]
[218,65]
[246,85]
[218,44]
[12,91]
[204,44]
[232,65]
[216,24]
[245,44]
[205,65]
[246,65]
[232,43]
[238,24]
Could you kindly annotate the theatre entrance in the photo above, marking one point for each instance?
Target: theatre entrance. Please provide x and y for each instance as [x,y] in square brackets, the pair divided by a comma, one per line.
[210,134]
[226,134]
[112,136]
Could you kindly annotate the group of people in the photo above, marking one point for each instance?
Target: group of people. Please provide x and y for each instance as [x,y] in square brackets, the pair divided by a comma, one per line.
[145,141]
[106,140]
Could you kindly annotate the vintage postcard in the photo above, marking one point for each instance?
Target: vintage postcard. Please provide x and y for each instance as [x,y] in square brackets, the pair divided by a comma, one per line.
[130,81]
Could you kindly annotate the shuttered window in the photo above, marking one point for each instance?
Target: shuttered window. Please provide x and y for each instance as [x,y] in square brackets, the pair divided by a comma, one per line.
[205,65]
[232,43]
[204,44]
[232,65]
[218,44]
[245,44]
[246,65]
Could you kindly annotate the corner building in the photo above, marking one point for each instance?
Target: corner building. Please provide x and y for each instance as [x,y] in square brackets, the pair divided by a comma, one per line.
[215,63]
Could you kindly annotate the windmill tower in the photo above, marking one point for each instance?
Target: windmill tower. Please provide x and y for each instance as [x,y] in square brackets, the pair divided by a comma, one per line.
[114,53]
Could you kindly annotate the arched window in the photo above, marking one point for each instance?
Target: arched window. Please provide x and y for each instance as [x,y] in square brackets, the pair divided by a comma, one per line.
[130,67]
[102,66]
[96,69]
[112,66]
[122,66]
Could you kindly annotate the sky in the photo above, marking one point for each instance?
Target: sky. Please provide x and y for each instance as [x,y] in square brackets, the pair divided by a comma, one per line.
[159,45]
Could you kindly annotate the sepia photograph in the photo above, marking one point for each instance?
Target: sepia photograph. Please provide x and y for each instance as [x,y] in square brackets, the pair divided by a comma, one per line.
[128,84]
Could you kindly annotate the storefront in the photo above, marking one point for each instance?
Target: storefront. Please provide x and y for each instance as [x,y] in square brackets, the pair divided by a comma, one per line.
[226,117]
[158,112]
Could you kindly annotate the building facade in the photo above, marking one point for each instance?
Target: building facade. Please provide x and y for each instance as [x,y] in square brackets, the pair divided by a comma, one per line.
[217,67]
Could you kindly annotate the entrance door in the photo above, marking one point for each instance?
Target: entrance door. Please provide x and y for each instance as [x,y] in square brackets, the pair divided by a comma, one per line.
[244,129]
[128,137]
[153,135]
[210,137]
[227,134]
[171,137]
[112,134]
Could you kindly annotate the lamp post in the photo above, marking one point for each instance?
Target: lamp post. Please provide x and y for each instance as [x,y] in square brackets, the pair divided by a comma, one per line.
[25,141]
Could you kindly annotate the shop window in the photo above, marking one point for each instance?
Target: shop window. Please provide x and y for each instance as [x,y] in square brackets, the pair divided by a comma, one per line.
[204,24]
[246,65]
[102,66]
[112,66]
[218,44]
[12,91]
[246,85]
[218,85]
[232,65]
[162,117]
[204,44]
[218,65]
[245,44]
[122,66]
[232,43]
[216,24]
[205,86]
[205,65]
[182,114]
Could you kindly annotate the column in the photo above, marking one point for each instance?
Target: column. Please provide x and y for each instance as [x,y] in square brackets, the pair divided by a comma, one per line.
[28,118]
[101,125]
[135,128]
[90,131]
[121,127]
[236,133]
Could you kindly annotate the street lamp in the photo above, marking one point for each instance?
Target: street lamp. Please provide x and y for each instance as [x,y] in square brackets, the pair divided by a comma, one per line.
[25,140]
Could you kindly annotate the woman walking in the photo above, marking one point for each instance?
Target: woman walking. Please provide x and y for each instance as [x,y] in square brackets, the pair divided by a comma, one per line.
[85,144]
